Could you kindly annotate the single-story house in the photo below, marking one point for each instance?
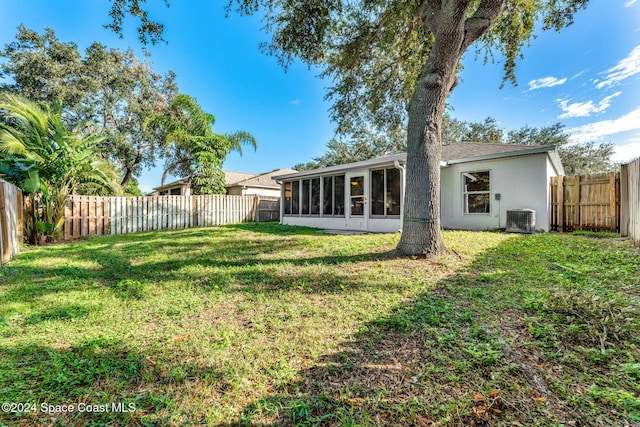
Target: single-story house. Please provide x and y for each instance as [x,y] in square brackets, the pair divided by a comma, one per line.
[236,183]
[180,187]
[244,184]
[480,182]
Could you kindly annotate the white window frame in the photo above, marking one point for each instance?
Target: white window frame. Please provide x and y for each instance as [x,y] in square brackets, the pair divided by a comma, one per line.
[465,193]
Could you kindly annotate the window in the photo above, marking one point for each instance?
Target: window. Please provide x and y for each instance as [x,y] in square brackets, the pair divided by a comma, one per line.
[385,192]
[315,196]
[333,195]
[306,186]
[476,192]
[377,192]
[392,202]
[338,195]
[295,198]
[327,195]
[287,198]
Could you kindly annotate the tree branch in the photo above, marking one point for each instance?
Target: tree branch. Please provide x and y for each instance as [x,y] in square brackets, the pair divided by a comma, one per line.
[428,13]
[483,18]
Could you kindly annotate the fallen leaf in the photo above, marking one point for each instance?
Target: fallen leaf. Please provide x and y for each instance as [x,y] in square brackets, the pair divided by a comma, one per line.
[181,338]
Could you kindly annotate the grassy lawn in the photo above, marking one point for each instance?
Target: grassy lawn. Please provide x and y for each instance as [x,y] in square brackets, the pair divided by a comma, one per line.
[263,324]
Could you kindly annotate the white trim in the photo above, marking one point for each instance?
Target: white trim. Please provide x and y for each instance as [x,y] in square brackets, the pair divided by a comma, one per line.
[465,193]
[515,153]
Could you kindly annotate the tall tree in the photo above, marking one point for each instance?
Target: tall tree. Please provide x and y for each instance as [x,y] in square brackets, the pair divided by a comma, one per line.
[39,154]
[363,145]
[193,150]
[577,159]
[111,87]
[388,60]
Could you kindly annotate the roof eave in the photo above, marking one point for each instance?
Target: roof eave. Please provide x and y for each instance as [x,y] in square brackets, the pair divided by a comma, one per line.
[378,161]
[270,187]
[536,150]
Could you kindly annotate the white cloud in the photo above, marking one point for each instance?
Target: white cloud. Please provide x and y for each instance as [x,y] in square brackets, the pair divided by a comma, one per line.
[546,82]
[626,68]
[596,130]
[626,152]
[630,3]
[575,76]
[584,109]
[294,102]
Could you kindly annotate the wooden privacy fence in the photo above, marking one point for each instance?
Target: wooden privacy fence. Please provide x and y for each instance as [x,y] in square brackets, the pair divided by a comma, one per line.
[586,202]
[630,201]
[11,220]
[268,209]
[94,215]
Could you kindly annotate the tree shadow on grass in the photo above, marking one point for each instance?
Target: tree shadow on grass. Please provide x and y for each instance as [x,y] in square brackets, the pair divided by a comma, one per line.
[94,372]
[275,228]
[119,264]
[458,355]
[434,360]
[427,364]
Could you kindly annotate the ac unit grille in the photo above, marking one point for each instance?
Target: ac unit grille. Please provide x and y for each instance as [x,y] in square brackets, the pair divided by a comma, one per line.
[521,220]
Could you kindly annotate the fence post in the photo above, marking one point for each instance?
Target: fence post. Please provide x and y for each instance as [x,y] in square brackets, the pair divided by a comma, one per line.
[3,231]
[560,189]
[5,250]
[256,208]
[10,215]
[612,200]
[624,200]
[20,207]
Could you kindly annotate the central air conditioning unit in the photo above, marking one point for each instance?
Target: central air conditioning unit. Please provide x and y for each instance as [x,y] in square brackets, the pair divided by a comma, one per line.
[521,221]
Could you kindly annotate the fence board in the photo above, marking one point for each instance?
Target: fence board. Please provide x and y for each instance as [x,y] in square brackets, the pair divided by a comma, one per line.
[11,217]
[630,201]
[268,209]
[94,215]
[586,202]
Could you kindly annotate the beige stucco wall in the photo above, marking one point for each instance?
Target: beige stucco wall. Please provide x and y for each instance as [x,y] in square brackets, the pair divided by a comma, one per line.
[249,191]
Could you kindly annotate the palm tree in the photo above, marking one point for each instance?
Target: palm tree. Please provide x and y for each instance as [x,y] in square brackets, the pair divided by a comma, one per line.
[47,161]
[193,150]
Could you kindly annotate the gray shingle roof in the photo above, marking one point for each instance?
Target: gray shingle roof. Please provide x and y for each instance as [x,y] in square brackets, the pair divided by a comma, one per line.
[469,150]
[231,177]
[265,179]
[453,153]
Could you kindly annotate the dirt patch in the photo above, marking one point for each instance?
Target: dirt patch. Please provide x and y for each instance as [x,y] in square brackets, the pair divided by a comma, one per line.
[519,346]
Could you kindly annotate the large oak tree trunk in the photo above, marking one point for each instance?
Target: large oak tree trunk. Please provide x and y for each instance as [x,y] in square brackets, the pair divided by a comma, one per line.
[421,233]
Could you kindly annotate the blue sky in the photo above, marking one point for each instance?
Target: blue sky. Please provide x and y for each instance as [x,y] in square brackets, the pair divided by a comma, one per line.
[587,77]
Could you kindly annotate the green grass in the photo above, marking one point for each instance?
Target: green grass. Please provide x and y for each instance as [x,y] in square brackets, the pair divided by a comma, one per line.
[263,324]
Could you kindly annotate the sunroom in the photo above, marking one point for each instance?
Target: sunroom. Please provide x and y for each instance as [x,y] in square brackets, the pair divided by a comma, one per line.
[364,196]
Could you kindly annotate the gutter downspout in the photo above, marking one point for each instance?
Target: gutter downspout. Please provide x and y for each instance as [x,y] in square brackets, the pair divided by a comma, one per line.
[279,182]
[401,168]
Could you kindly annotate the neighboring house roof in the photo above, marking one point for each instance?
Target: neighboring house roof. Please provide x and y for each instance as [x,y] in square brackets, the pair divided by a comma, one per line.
[264,180]
[231,177]
[460,152]
[177,183]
